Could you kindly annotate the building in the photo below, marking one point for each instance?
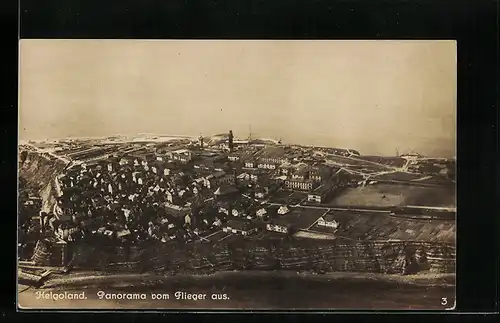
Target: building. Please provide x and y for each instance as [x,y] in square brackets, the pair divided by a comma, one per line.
[248,177]
[283,210]
[278,226]
[300,184]
[321,194]
[224,180]
[261,193]
[230,141]
[225,208]
[175,210]
[239,227]
[328,221]
[273,155]
[285,169]
[219,178]
[233,157]
[266,165]
[261,212]
[181,155]
[320,173]
[250,163]
[267,186]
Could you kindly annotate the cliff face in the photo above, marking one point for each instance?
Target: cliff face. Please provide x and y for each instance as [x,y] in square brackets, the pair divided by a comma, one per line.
[328,256]
[40,170]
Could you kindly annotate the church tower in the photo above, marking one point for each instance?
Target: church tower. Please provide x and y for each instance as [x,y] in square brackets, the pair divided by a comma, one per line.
[230,141]
[200,141]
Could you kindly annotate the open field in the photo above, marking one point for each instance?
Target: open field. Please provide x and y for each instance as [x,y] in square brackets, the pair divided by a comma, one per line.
[398,176]
[303,218]
[356,161]
[389,161]
[412,177]
[387,195]
[379,226]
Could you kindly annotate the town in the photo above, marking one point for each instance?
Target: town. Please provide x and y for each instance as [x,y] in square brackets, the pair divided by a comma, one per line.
[119,191]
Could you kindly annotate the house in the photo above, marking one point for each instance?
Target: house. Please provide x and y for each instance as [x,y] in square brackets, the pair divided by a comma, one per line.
[217,222]
[261,212]
[224,208]
[278,226]
[283,210]
[328,221]
[237,212]
[239,227]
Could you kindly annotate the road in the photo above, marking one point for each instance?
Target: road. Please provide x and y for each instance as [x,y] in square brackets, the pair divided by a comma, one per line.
[330,208]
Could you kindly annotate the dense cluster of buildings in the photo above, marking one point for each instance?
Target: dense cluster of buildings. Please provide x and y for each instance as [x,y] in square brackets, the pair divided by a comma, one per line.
[179,193]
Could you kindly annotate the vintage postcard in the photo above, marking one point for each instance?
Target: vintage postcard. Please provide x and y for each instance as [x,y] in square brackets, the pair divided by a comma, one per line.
[277,175]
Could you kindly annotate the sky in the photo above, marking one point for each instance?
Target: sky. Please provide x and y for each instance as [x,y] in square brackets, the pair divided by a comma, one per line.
[377,97]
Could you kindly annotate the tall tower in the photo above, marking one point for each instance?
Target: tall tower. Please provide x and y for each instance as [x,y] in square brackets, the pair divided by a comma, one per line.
[249,133]
[230,140]
[200,140]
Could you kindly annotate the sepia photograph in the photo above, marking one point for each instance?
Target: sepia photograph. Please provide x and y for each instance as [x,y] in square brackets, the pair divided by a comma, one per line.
[237,174]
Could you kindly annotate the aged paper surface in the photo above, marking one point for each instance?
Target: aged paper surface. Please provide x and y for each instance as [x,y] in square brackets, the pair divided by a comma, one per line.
[237,174]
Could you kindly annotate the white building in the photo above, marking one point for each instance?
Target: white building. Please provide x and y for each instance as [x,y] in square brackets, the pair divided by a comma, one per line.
[328,221]
[277,228]
[261,212]
[283,210]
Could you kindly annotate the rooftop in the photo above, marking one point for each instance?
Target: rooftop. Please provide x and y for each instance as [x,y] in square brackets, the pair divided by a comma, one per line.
[270,152]
[240,225]
[181,151]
